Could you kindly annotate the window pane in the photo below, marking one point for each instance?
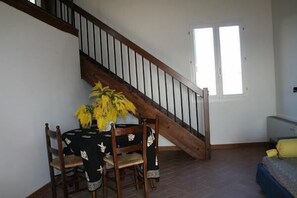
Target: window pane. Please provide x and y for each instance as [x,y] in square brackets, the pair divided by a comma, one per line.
[231,60]
[205,59]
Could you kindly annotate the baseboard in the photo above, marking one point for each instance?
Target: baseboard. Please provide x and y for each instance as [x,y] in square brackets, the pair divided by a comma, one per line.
[41,191]
[219,146]
[238,145]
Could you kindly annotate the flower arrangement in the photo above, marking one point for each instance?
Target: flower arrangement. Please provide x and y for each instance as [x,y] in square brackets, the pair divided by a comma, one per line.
[106,107]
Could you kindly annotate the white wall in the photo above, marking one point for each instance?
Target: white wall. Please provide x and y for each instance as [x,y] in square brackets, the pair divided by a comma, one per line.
[285,42]
[39,82]
[161,27]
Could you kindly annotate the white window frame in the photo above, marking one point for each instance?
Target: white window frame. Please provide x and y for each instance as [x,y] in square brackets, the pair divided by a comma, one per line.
[219,82]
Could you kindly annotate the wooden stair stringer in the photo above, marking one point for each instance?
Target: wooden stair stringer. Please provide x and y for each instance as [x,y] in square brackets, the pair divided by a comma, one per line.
[169,129]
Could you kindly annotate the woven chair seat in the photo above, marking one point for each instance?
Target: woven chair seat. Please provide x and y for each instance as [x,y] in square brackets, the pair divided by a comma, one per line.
[71,161]
[125,160]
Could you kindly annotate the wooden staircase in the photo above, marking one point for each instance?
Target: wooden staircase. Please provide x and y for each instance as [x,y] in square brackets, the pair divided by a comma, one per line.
[155,88]
[92,72]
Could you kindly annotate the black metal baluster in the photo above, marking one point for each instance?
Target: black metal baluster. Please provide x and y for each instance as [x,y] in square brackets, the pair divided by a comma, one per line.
[94,41]
[80,31]
[129,66]
[115,57]
[88,44]
[66,12]
[151,79]
[158,77]
[61,12]
[143,76]
[189,108]
[55,10]
[101,52]
[173,93]
[122,61]
[166,92]
[197,118]
[107,47]
[181,102]
[136,70]
[72,14]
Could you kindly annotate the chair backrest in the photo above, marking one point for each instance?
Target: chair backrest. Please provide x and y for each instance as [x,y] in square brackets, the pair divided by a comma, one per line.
[54,146]
[154,124]
[138,130]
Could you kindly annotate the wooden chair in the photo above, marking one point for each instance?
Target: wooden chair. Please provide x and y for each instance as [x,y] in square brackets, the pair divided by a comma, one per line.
[126,156]
[67,165]
[154,124]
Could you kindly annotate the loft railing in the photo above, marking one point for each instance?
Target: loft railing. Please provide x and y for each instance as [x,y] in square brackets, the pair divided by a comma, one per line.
[160,85]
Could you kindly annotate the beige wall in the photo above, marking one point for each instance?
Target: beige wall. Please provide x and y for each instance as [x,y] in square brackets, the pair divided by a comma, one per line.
[39,82]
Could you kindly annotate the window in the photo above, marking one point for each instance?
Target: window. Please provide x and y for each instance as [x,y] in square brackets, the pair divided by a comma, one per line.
[218,62]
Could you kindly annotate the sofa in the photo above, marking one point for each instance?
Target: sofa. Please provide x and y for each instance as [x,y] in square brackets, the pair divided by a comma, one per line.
[277,173]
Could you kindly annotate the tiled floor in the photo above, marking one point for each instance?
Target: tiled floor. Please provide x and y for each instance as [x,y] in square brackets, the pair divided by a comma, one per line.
[230,173]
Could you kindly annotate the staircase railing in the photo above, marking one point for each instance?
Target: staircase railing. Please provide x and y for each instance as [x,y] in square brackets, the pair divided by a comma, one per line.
[159,84]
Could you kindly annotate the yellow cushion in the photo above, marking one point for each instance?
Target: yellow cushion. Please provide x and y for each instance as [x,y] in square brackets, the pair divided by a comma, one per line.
[287,148]
[271,152]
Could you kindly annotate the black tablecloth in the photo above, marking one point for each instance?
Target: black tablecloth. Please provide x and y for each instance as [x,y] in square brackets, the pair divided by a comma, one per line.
[92,146]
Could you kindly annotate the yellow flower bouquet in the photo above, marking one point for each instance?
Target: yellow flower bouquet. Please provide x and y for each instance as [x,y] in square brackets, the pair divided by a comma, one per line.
[106,107]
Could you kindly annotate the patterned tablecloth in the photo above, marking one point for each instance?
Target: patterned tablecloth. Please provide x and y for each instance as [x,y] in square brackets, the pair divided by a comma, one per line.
[92,146]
